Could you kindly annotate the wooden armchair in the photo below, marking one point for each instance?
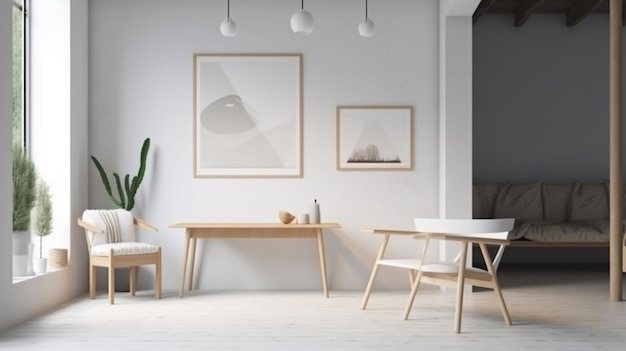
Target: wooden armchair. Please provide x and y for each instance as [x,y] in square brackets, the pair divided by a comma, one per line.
[111,243]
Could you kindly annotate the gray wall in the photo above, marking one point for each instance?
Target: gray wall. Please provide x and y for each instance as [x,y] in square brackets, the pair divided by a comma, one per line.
[541,109]
[540,99]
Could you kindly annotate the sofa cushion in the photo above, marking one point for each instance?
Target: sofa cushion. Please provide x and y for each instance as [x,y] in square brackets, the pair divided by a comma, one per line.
[524,226]
[589,201]
[484,197]
[588,231]
[556,201]
[520,201]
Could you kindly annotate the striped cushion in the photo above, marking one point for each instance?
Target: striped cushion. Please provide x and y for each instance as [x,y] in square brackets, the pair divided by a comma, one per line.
[117,226]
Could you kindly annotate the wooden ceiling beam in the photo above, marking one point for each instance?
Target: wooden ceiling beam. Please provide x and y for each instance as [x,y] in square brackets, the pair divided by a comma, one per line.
[580,10]
[482,8]
[525,9]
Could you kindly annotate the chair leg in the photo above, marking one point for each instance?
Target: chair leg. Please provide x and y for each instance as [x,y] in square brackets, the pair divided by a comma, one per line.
[496,284]
[460,286]
[157,279]
[133,279]
[414,287]
[411,277]
[111,278]
[370,283]
[92,281]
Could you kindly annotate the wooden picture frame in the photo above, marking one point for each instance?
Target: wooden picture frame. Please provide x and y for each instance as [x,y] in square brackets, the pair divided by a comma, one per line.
[372,138]
[247,115]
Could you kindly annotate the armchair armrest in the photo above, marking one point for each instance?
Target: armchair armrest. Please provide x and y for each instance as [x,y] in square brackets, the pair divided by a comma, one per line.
[145,225]
[88,226]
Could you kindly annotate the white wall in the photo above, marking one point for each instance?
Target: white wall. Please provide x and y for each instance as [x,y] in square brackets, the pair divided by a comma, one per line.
[141,86]
[22,301]
[5,159]
[140,57]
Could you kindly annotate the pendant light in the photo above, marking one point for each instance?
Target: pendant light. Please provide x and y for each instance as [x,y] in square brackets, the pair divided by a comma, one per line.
[302,21]
[366,28]
[228,26]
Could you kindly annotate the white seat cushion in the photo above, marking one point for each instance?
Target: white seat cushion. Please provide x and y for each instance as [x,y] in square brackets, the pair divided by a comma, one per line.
[123,248]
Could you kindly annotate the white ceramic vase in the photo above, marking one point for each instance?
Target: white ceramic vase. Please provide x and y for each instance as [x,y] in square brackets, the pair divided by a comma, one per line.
[314,214]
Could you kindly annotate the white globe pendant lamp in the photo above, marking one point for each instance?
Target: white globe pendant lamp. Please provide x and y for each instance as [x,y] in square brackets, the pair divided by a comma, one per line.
[302,21]
[366,27]
[228,26]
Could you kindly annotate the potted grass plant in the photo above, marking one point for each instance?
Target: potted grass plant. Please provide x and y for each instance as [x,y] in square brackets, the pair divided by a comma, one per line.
[24,196]
[42,223]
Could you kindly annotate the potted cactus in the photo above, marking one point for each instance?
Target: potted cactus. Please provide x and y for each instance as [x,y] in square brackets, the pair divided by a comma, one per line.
[42,223]
[125,197]
[127,192]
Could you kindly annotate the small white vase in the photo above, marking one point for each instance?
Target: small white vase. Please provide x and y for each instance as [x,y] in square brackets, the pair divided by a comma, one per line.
[314,215]
[29,266]
[40,264]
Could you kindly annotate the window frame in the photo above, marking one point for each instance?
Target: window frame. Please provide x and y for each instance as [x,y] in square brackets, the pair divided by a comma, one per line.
[25,135]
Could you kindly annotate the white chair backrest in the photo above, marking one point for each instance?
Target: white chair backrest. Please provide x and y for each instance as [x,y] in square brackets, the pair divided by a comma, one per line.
[117,226]
[498,228]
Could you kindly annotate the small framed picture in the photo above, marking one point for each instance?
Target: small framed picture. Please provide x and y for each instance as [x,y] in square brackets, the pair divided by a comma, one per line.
[374,138]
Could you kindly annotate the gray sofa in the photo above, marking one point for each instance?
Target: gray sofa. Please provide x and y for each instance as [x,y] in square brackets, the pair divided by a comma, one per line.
[548,213]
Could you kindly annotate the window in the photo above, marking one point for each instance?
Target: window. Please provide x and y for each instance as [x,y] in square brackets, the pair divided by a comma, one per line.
[19,72]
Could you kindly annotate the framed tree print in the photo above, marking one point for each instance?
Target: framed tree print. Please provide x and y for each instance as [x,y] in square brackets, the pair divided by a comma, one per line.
[374,137]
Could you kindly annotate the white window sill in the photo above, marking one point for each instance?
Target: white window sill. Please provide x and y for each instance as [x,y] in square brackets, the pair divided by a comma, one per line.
[17,280]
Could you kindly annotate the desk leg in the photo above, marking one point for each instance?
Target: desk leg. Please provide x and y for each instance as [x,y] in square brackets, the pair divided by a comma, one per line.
[192,260]
[460,286]
[184,265]
[370,283]
[496,285]
[320,246]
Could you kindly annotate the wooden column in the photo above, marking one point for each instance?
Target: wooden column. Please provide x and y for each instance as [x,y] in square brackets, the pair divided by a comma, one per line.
[615,112]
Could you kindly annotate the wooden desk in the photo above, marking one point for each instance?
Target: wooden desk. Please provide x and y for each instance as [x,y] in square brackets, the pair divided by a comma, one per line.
[193,231]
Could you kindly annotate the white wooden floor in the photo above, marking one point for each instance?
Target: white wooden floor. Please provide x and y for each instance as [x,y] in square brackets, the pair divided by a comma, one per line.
[554,310]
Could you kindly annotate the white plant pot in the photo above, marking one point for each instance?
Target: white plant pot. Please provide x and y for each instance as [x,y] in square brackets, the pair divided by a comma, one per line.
[29,264]
[20,264]
[22,254]
[40,265]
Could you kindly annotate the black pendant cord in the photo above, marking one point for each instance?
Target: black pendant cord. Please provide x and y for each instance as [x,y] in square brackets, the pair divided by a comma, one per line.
[228,9]
[302,5]
[365,10]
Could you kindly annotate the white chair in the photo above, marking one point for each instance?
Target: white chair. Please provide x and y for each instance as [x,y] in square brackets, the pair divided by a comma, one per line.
[112,244]
[412,264]
[455,274]
[465,231]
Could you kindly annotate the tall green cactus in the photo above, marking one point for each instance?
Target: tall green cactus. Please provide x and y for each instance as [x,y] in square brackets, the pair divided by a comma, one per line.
[126,193]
